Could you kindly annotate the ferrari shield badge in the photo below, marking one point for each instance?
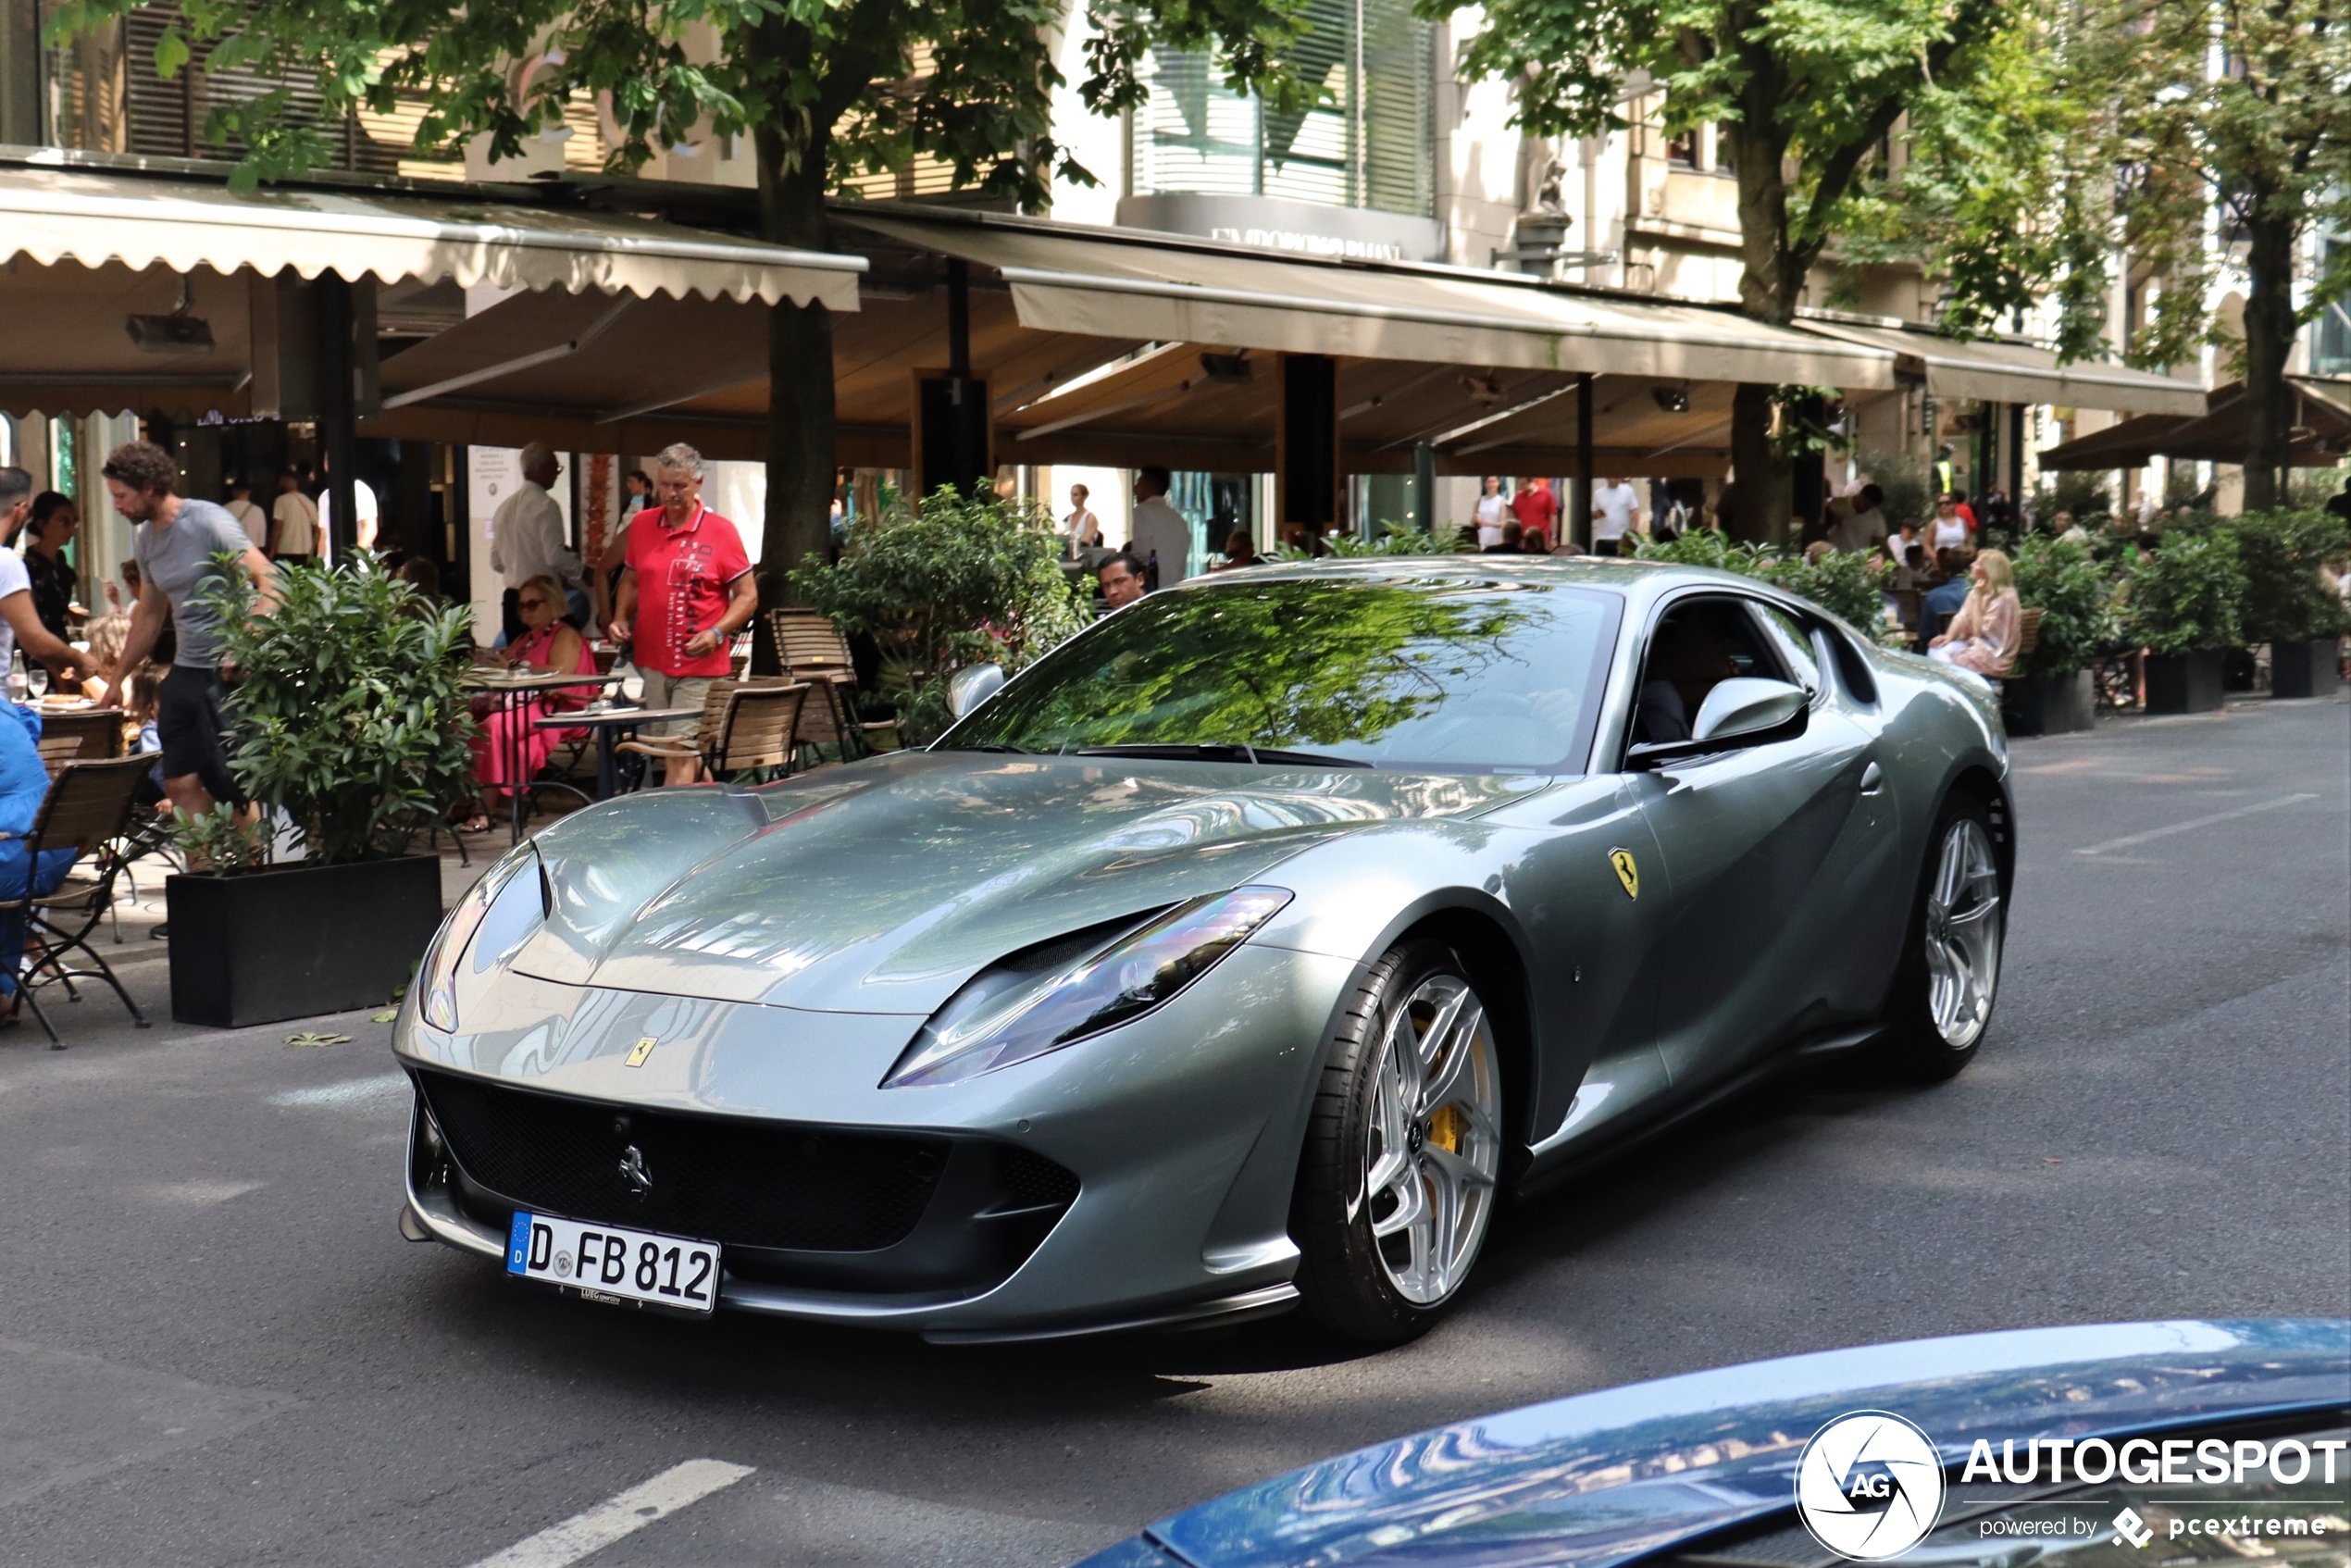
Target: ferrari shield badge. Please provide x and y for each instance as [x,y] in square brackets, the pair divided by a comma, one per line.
[642,1049]
[1628,872]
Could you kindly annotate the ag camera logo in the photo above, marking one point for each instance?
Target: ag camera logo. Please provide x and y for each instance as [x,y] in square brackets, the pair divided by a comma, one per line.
[1869,1486]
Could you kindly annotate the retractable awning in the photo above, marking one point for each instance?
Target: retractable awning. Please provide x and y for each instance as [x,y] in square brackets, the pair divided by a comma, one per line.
[2319,436]
[55,216]
[1996,372]
[1169,287]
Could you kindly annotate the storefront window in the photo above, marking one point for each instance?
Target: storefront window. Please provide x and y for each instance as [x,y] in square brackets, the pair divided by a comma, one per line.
[1365,142]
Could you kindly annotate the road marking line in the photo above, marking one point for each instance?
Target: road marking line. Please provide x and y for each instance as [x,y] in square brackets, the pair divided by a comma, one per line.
[582,1534]
[384,1087]
[2191,826]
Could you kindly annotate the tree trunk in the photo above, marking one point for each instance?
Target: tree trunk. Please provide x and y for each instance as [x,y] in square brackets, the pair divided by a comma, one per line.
[1759,509]
[2268,344]
[799,375]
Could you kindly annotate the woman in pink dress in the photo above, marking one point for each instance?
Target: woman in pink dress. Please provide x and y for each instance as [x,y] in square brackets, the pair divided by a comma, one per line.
[548,646]
[1982,636]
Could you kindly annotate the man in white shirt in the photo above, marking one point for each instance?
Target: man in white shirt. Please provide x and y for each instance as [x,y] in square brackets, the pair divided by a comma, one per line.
[250,517]
[1160,535]
[1613,504]
[526,534]
[362,502]
[296,536]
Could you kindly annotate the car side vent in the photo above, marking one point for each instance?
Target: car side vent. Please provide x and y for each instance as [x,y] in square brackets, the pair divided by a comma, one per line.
[1031,1181]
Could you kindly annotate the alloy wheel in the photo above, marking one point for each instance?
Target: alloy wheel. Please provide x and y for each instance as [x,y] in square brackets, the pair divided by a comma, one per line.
[1433,1145]
[1962,934]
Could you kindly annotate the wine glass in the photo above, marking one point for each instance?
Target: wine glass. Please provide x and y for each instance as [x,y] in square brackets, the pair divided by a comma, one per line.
[36,681]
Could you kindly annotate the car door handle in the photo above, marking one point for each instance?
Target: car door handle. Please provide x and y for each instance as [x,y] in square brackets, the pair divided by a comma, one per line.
[1873,779]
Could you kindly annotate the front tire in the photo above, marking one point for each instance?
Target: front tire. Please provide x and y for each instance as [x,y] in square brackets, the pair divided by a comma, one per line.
[1397,1182]
[1950,971]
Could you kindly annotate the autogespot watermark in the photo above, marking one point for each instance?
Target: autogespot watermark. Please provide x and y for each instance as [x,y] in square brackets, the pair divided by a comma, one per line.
[1869,1487]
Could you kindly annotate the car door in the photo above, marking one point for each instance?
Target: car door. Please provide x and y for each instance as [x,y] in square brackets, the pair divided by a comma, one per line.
[1749,836]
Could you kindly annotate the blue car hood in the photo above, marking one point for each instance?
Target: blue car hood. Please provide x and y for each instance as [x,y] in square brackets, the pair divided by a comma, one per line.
[1607,1477]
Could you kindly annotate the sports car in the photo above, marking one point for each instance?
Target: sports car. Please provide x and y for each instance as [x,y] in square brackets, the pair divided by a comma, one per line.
[1242,953]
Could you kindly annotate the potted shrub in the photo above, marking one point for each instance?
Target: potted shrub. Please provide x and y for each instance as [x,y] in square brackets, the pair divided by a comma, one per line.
[942,584]
[2287,603]
[2050,691]
[344,714]
[2181,604]
[1848,583]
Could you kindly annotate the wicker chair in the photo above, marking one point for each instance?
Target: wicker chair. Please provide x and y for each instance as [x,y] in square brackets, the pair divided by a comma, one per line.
[746,727]
[90,808]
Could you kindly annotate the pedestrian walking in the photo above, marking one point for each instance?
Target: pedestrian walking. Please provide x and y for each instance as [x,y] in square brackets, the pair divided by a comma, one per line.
[175,547]
[250,517]
[296,534]
[1537,510]
[1613,504]
[687,591]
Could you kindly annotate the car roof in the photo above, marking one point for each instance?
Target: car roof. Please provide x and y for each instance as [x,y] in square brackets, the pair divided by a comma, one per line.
[1606,1478]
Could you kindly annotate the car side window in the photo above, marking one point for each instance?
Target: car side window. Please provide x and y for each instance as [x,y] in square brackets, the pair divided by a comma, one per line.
[1795,645]
[1699,644]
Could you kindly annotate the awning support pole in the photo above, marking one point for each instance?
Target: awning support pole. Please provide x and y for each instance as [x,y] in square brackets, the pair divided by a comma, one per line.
[1578,528]
[1424,486]
[959,318]
[337,436]
[1306,473]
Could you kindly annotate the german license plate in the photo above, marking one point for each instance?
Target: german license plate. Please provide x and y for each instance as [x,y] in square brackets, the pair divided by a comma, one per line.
[607,1263]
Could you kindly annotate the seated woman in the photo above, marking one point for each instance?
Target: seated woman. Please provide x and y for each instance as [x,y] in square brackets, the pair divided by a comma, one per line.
[1982,636]
[24,784]
[509,737]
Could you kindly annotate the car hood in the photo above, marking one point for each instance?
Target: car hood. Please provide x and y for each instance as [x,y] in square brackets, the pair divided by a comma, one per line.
[1605,1479]
[881,887]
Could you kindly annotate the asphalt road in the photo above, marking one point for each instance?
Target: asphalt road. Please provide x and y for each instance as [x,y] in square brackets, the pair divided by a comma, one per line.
[214,1349]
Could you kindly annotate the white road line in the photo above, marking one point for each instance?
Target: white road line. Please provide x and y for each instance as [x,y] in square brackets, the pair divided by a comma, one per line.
[384,1089]
[576,1536]
[2191,826]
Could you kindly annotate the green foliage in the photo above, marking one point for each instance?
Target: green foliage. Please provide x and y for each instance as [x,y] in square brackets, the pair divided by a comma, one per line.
[1395,538]
[2061,577]
[1907,482]
[950,582]
[346,712]
[219,841]
[2285,600]
[2183,597]
[1846,583]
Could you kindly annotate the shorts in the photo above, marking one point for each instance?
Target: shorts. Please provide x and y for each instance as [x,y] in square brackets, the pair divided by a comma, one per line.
[675,691]
[190,723]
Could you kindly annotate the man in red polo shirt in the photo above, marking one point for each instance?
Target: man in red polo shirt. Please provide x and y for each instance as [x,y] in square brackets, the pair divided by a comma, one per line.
[688,588]
[1537,510]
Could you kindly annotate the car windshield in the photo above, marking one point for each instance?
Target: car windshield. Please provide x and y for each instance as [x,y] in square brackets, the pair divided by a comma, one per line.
[1439,671]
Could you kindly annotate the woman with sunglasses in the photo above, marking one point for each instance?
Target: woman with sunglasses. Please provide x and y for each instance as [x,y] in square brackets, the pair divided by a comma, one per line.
[549,645]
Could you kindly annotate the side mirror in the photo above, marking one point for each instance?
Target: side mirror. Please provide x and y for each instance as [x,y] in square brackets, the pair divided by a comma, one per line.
[973,685]
[1743,706]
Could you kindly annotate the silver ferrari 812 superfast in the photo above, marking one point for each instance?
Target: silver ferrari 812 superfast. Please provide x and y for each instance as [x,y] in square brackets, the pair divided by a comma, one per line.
[1244,951]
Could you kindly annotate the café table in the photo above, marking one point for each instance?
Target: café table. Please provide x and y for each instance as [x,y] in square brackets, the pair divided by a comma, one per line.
[517,695]
[611,726]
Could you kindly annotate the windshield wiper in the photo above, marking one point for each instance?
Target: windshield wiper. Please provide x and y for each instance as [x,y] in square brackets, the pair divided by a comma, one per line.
[1219,751]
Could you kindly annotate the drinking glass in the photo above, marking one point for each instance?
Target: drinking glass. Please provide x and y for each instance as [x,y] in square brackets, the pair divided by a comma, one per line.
[36,681]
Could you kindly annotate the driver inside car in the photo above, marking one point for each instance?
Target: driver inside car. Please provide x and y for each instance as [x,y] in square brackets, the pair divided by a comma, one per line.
[1686,663]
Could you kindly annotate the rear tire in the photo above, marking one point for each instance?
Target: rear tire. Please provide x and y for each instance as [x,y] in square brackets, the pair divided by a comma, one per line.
[1396,1181]
[1949,975]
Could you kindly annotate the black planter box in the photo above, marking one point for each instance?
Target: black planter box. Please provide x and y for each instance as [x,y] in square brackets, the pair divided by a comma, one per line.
[2048,705]
[2304,670]
[299,940]
[2186,683]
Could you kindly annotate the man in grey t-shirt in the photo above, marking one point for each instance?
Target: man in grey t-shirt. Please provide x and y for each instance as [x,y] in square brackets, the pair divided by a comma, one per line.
[177,542]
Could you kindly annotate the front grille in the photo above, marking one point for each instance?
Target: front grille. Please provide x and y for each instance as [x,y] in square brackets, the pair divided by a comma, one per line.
[1031,1181]
[781,1185]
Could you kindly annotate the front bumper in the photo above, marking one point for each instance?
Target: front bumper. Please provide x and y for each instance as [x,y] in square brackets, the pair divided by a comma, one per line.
[1179,1133]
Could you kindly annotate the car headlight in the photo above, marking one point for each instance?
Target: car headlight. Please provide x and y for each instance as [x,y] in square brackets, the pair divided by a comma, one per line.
[1065,992]
[487,922]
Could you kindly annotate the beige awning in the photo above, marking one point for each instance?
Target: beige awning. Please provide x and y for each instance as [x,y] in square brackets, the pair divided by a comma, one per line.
[53,216]
[1996,372]
[1174,289]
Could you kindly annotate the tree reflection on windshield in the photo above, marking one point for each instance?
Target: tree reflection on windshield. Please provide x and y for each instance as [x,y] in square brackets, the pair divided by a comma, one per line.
[1444,672]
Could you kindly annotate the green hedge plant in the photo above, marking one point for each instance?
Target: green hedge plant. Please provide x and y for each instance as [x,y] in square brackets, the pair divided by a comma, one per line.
[2061,578]
[949,582]
[1848,583]
[2183,598]
[344,707]
[2285,599]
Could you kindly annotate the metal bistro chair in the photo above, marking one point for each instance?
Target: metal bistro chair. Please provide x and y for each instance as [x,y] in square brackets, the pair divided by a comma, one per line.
[89,808]
[746,727]
[811,648]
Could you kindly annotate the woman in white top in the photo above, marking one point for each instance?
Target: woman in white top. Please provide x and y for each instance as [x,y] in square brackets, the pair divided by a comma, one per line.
[1947,529]
[1081,528]
[1493,511]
